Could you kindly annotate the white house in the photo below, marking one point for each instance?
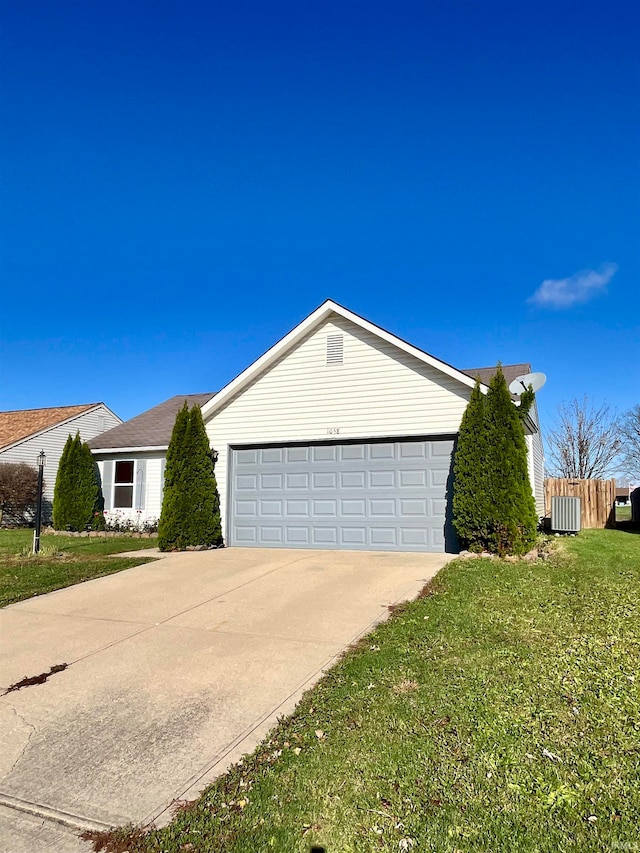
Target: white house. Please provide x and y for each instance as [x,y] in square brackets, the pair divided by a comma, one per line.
[340,436]
[24,433]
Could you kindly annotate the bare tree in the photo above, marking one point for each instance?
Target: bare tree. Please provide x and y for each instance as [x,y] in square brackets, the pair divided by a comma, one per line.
[18,491]
[629,431]
[584,442]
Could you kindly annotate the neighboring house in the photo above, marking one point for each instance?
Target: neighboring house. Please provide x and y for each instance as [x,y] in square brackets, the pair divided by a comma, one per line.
[339,436]
[623,495]
[24,433]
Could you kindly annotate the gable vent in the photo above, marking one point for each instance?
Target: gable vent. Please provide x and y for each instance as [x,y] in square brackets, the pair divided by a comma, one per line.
[335,349]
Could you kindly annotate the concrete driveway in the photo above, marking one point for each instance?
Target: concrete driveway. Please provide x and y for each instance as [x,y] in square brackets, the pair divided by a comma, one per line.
[175,669]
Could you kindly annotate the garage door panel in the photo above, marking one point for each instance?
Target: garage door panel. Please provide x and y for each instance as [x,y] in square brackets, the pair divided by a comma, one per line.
[350,507]
[324,453]
[246,508]
[412,450]
[437,540]
[415,537]
[297,454]
[381,451]
[297,508]
[385,507]
[324,535]
[415,507]
[412,479]
[438,477]
[325,480]
[349,452]
[381,479]
[271,481]
[246,481]
[270,535]
[438,507]
[246,535]
[440,449]
[368,496]
[383,536]
[353,480]
[297,481]
[271,508]
[325,508]
[353,536]
[297,536]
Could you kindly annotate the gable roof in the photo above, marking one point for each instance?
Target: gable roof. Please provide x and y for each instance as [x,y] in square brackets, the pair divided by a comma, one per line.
[314,319]
[24,423]
[150,429]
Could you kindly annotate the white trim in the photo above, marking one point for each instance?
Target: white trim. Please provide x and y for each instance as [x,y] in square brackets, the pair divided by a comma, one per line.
[145,449]
[314,319]
[58,424]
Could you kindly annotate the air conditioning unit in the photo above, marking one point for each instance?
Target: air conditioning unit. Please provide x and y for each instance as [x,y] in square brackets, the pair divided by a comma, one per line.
[565,514]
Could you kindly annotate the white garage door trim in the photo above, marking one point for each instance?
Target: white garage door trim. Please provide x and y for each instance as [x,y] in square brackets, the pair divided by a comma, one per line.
[391,494]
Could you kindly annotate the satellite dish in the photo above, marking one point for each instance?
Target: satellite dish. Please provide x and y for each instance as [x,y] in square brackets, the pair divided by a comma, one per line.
[521,383]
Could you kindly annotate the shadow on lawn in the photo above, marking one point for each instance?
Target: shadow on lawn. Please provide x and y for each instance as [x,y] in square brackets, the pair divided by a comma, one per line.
[628,526]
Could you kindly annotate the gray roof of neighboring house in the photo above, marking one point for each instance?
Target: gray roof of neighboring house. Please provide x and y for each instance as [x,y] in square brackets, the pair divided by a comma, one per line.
[510,372]
[151,428]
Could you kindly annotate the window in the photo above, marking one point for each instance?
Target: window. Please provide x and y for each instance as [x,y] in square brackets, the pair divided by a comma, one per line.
[123,486]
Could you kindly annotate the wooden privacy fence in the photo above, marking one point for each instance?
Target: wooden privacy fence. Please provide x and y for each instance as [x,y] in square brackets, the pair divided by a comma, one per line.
[597,499]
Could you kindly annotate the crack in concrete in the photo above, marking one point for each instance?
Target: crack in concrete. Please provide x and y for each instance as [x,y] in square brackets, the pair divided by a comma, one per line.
[29,681]
[24,748]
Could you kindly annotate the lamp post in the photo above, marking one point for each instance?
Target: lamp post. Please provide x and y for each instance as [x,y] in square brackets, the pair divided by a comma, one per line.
[36,533]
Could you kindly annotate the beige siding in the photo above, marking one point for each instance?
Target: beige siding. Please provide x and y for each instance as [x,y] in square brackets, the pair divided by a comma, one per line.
[52,441]
[153,482]
[378,391]
[536,462]
[538,473]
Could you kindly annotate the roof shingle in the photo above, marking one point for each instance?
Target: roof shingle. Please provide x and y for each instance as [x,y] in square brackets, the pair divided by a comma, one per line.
[486,373]
[152,428]
[18,425]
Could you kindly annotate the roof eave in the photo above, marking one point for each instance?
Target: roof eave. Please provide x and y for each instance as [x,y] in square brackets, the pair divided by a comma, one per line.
[147,449]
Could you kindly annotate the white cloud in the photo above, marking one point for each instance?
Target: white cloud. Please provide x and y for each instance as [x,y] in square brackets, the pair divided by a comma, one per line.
[579,287]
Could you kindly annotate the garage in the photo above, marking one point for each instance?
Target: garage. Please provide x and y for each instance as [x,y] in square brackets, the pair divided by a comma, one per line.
[387,495]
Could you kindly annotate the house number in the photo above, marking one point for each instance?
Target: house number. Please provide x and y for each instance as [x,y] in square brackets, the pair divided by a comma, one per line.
[333,431]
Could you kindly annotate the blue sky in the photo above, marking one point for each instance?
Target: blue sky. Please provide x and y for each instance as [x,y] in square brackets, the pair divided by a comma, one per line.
[184,182]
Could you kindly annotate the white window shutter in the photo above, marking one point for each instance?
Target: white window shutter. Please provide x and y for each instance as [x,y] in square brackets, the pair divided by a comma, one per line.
[107,483]
[141,484]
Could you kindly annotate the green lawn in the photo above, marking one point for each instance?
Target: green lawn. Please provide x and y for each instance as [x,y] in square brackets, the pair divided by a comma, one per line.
[623,513]
[63,561]
[501,712]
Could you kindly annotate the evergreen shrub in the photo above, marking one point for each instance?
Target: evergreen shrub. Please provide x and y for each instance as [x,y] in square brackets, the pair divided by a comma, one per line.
[77,494]
[191,505]
[493,505]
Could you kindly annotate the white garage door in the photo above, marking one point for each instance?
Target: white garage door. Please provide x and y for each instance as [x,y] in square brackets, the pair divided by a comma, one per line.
[388,496]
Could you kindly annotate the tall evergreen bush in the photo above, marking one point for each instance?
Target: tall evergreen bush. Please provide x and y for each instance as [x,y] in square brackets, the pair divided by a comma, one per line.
[493,506]
[512,518]
[77,495]
[470,496]
[191,506]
